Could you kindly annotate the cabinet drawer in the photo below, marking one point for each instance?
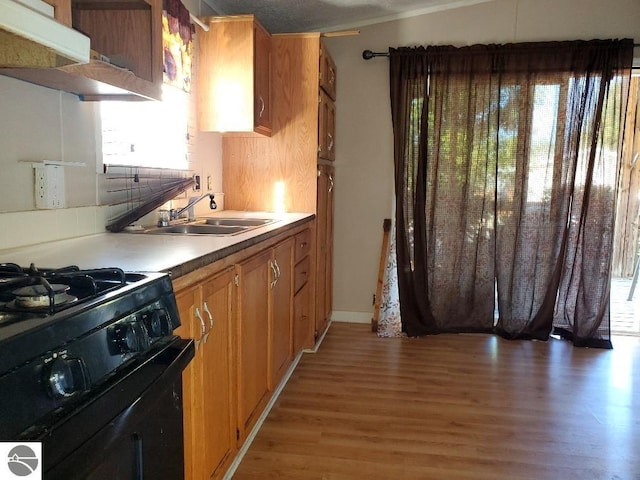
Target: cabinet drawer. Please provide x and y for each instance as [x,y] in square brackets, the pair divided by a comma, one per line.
[303,245]
[301,274]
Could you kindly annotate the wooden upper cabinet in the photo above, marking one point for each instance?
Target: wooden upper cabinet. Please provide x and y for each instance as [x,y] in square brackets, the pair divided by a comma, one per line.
[262,81]
[327,72]
[62,11]
[127,32]
[234,76]
[326,127]
[326,106]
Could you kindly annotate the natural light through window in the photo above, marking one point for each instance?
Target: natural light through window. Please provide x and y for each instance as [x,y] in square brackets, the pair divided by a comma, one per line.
[543,136]
[147,134]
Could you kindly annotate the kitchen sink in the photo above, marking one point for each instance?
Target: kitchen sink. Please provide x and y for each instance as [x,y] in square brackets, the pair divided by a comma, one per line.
[200,229]
[214,226]
[239,222]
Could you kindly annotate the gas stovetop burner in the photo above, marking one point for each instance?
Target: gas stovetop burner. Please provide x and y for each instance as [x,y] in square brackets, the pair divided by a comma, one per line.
[50,290]
[41,296]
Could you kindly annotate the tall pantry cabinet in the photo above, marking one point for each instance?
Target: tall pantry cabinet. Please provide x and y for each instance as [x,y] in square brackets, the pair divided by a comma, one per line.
[326,183]
[292,170]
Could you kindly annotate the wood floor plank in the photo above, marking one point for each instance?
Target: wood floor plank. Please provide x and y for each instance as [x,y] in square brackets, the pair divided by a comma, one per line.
[453,407]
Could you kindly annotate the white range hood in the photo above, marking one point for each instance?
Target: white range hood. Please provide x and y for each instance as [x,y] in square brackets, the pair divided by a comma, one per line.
[31,38]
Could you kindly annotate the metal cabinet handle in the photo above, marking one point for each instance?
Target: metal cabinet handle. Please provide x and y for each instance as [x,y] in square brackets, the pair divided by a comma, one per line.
[261,106]
[203,327]
[205,307]
[330,146]
[275,274]
[277,270]
[331,183]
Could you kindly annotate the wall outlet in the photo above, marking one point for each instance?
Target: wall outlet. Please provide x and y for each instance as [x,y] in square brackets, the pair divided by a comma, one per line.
[49,186]
[40,187]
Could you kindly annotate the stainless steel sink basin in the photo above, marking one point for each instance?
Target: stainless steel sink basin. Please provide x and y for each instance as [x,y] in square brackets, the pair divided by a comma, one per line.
[240,222]
[201,229]
[214,226]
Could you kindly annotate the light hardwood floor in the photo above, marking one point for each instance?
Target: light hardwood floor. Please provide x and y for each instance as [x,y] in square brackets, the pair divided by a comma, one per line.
[453,407]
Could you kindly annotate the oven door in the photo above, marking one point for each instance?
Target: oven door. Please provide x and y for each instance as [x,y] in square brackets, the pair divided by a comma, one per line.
[144,440]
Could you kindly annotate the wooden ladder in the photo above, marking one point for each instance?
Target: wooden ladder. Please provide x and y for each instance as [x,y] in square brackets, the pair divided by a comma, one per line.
[386,228]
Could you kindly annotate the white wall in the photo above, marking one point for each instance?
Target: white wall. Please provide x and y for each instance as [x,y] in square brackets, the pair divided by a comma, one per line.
[364,163]
[38,123]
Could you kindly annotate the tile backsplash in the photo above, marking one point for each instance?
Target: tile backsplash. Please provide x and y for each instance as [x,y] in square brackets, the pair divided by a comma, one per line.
[38,226]
[20,229]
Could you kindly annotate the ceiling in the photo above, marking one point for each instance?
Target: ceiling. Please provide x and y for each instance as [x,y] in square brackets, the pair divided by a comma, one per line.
[279,16]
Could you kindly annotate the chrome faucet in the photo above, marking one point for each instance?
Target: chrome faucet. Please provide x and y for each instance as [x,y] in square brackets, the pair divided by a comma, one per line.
[174,214]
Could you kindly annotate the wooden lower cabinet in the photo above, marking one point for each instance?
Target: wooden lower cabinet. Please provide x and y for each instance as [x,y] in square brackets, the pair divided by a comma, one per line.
[324,248]
[209,413]
[240,312]
[303,312]
[281,312]
[302,327]
[264,317]
[253,339]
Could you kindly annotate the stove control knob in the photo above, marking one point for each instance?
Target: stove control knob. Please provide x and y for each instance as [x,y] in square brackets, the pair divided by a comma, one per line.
[128,337]
[66,376]
[158,323]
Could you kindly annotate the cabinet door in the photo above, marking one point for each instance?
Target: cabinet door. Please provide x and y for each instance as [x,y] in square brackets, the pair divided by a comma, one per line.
[302,328]
[218,420]
[262,81]
[252,339]
[324,248]
[281,310]
[321,251]
[327,72]
[234,76]
[328,240]
[187,301]
[138,45]
[326,127]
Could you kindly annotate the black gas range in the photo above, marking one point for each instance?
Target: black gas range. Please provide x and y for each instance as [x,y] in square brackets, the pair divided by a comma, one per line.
[90,367]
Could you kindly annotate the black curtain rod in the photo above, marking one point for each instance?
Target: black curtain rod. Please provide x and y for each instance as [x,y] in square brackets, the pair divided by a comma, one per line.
[368,54]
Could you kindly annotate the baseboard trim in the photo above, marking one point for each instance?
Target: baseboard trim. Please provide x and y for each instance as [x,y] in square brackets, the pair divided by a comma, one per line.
[351,317]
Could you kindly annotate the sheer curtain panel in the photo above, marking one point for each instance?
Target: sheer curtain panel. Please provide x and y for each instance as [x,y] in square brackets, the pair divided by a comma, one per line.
[506,163]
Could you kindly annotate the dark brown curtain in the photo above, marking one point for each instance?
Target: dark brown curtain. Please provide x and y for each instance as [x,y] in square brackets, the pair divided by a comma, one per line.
[506,160]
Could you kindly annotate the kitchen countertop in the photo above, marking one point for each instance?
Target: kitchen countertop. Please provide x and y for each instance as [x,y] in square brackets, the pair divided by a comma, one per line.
[144,252]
